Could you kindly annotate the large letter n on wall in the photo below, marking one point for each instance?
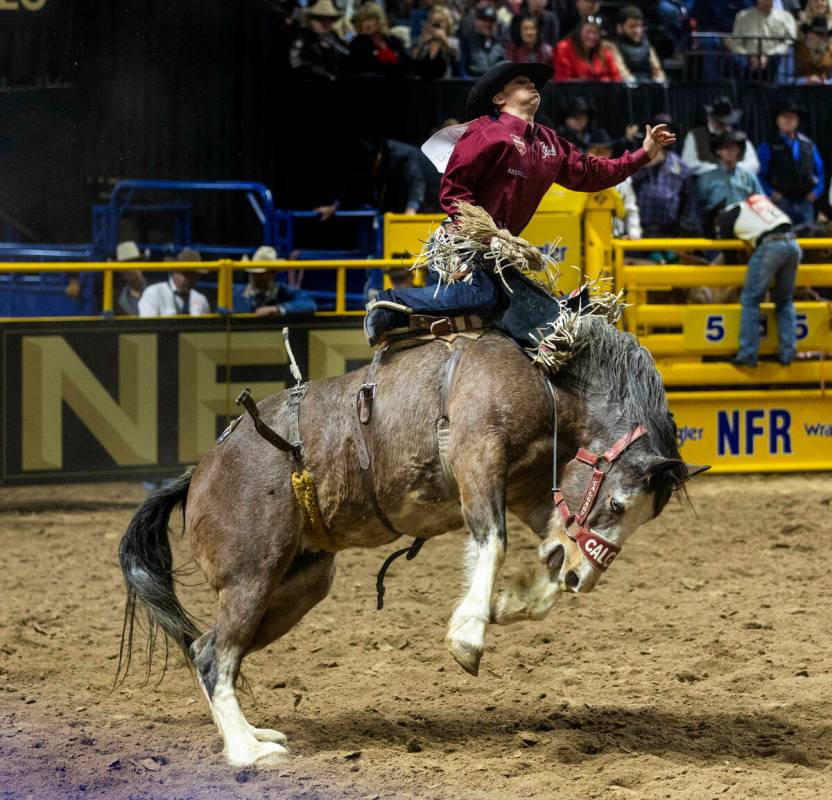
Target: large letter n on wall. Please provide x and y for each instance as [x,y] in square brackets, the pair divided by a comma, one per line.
[53,374]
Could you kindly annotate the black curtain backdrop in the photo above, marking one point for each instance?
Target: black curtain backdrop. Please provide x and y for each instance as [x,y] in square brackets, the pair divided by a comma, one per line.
[200,90]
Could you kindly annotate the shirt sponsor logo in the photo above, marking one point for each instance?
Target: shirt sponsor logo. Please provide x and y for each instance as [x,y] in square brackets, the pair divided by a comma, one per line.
[547,151]
[516,172]
[519,143]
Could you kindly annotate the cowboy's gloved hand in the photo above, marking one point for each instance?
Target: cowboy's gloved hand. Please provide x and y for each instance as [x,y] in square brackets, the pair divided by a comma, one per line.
[657,139]
[504,234]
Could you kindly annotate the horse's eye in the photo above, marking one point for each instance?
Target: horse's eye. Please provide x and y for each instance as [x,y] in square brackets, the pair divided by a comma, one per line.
[617,506]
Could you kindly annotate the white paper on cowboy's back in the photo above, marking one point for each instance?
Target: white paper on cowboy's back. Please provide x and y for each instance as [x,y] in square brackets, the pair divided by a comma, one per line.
[440,146]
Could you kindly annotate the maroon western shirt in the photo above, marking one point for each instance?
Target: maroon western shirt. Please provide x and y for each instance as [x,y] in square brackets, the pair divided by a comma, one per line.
[506,166]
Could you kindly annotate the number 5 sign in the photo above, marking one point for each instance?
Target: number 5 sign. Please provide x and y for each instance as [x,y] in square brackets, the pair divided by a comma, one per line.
[715,329]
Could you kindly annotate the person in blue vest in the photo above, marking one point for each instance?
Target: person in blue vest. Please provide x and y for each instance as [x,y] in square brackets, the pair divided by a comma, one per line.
[791,169]
[265,296]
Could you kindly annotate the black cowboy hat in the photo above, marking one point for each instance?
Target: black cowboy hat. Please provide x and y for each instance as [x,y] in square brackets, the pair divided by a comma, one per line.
[729,137]
[790,107]
[722,110]
[576,105]
[480,98]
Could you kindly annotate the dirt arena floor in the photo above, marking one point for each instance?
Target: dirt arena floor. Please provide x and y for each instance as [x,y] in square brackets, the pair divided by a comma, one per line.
[699,668]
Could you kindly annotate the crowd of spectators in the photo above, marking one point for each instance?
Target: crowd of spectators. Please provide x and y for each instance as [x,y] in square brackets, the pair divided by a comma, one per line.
[175,294]
[630,42]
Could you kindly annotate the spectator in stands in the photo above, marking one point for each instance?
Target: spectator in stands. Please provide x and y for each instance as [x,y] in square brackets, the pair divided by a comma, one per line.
[526,46]
[577,124]
[666,194]
[777,33]
[670,22]
[709,16]
[636,60]
[466,26]
[177,294]
[571,12]
[134,281]
[813,54]
[548,27]
[384,174]
[729,182]
[582,56]
[791,169]
[698,152]
[436,53]
[265,296]
[814,9]
[481,49]
[315,50]
[374,51]
[419,16]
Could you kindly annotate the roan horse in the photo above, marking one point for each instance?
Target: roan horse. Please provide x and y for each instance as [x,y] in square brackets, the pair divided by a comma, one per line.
[247,532]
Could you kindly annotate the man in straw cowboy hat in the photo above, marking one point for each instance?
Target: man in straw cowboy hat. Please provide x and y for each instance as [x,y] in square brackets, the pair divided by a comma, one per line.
[264,295]
[315,50]
[504,163]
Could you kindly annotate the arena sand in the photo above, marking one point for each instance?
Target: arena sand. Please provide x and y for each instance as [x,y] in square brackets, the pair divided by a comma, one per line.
[700,668]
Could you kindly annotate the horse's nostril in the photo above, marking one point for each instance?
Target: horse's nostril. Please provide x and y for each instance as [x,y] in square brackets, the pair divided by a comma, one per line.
[572,579]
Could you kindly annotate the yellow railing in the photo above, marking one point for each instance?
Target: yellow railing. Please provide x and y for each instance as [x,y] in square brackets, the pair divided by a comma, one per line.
[224,268]
[693,330]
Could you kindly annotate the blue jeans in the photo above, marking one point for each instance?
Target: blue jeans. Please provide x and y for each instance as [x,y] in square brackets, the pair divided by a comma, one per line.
[798,211]
[776,261]
[479,296]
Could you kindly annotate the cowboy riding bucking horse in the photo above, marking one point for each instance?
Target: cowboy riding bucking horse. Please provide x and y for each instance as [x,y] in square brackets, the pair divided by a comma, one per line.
[503,163]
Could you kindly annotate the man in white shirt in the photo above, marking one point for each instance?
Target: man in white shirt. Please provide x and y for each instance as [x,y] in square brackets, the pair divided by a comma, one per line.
[777,32]
[697,152]
[176,295]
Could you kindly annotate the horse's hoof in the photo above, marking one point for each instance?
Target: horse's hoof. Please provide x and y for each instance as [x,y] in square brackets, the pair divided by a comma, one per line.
[467,656]
[268,735]
[259,754]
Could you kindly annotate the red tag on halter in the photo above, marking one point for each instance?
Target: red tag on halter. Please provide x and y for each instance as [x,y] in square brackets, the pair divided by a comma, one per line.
[598,551]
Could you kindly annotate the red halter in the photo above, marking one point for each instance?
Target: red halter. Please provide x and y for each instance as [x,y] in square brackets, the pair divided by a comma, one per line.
[597,550]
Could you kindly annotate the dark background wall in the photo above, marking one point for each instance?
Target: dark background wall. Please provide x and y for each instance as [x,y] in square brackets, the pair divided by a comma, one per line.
[198,89]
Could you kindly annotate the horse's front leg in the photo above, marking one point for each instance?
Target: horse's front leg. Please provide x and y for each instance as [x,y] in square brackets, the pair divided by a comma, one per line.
[533,594]
[483,507]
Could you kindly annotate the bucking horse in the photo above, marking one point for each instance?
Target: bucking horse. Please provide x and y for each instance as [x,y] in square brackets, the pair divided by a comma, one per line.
[441,437]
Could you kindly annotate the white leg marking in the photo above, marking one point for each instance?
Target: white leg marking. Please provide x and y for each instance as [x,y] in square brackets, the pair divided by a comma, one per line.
[245,745]
[466,632]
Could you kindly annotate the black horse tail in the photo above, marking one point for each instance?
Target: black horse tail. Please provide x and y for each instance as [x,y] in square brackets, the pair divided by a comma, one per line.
[147,565]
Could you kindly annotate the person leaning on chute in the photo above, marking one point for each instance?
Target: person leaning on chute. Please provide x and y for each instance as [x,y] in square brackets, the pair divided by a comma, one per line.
[503,163]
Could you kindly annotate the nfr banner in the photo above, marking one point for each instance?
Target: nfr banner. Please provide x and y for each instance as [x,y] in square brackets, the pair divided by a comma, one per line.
[144,398]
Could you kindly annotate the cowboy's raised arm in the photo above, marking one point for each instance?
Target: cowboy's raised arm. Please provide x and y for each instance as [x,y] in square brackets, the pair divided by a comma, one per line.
[584,173]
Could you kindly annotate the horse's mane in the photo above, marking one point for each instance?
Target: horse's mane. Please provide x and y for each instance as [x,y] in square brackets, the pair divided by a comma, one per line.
[612,366]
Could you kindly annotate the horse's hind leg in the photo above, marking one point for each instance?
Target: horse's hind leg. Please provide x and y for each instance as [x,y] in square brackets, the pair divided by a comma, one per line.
[482,492]
[304,584]
[217,656]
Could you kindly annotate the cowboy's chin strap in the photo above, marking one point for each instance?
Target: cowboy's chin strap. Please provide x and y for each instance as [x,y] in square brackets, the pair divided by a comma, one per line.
[597,550]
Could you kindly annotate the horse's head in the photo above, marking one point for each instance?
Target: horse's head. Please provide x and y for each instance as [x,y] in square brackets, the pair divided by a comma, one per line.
[606,491]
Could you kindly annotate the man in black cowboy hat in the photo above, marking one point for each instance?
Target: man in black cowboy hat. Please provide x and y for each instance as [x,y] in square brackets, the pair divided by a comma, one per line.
[697,151]
[791,169]
[577,127]
[505,163]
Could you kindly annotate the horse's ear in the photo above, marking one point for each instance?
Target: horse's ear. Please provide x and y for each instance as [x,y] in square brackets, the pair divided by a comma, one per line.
[658,465]
[696,469]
